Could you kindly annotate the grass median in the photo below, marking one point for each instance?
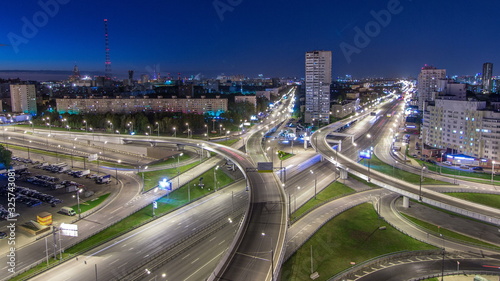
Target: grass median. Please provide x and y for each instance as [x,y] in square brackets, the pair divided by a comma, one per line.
[351,237]
[393,171]
[448,233]
[86,205]
[335,189]
[152,178]
[491,200]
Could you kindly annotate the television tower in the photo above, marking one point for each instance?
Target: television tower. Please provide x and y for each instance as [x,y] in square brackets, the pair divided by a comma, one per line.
[107,69]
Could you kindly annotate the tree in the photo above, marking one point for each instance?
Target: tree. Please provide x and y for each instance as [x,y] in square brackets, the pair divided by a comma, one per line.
[5,156]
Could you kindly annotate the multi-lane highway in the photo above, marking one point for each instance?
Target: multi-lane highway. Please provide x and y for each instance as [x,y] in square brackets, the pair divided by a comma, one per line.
[468,208]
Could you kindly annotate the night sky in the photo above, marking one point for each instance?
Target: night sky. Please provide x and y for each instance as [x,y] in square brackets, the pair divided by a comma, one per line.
[250,37]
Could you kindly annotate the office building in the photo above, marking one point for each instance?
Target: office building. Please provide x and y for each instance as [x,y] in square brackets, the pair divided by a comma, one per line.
[318,80]
[427,86]
[23,98]
[487,75]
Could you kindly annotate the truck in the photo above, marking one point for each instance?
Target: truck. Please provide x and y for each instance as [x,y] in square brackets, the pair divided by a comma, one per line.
[82,173]
[67,211]
[103,179]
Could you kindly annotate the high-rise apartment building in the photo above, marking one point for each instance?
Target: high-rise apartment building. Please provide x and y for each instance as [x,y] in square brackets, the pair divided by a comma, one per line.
[318,80]
[23,98]
[487,75]
[463,127]
[428,84]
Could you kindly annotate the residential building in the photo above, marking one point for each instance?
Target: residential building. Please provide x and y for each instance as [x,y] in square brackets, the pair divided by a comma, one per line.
[23,98]
[427,86]
[252,99]
[318,80]
[450,90]
[463,127]
[343,109]
[487,75]
[130,105]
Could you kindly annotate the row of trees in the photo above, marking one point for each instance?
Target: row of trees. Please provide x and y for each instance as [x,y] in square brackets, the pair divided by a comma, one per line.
[143,122]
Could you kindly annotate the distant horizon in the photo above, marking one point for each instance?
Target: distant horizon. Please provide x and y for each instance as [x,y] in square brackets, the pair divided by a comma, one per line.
[60,75]
[390,38]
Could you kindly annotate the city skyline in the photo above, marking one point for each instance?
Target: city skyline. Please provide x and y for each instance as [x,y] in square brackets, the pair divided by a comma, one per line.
[383,39]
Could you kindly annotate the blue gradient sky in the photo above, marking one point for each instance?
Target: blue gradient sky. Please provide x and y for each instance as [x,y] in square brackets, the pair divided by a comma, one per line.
[268,37]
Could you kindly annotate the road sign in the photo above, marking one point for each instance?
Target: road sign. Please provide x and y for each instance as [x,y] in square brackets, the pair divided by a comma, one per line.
[155,205]
[365,154]
[265,167]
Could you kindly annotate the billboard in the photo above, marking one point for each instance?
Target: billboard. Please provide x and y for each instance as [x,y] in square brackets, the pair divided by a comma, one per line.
[69,229]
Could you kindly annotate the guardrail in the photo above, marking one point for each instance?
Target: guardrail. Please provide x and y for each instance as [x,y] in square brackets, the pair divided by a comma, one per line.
[359,269]
[185,244]
[138,208]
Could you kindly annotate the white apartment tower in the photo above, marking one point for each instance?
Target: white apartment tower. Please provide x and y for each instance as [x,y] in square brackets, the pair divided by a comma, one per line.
[23,98]
[318,80]
[463,127]
[428,83]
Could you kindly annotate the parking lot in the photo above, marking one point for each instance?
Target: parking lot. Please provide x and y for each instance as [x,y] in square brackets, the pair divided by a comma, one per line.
[46,187]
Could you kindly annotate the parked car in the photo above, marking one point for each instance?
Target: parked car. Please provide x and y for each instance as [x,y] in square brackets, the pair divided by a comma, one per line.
[3,235]
[477,169]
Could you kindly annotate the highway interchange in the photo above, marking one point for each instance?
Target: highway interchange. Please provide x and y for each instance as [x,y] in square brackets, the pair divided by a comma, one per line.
[258,247]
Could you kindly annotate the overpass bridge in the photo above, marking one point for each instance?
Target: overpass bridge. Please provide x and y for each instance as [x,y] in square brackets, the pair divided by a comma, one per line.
[409,191]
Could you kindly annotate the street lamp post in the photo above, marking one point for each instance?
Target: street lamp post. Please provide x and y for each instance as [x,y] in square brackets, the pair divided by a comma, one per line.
[206,126]
[143,182]
[116,170]
[158,124]
[315,180]
[421,179]
[29,150]
[78,202]
[175,133]
[187,124]
[442,153]
[492,171]
[149,127]
[85,122]
[215,177]
[178,173]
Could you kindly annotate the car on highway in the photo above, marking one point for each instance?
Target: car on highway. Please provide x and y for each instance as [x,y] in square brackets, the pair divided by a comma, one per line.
[477,169]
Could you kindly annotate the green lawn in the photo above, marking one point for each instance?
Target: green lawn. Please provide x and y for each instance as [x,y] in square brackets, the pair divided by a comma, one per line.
[335,189]
[370,184]
[382,167]
[86,205]
[152,178]
[447,233]
[228,142]
[452,172]
[169,160]
[352,236]
[491,200]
